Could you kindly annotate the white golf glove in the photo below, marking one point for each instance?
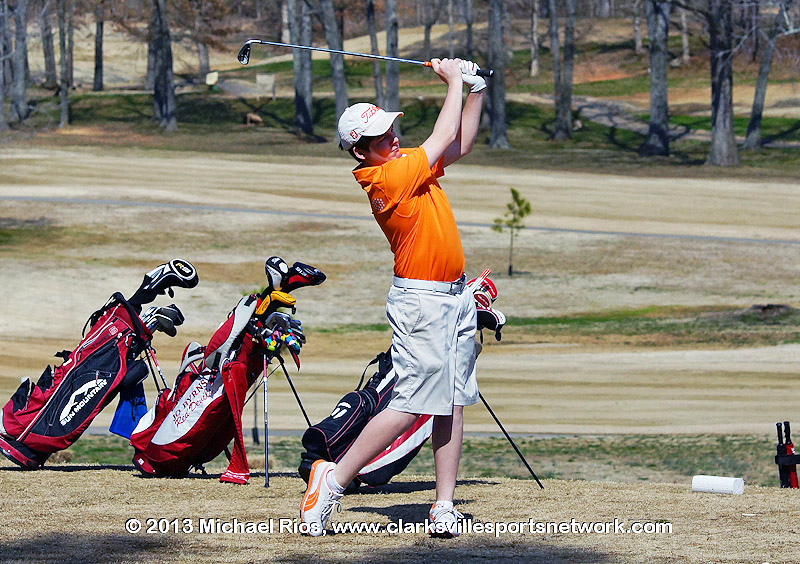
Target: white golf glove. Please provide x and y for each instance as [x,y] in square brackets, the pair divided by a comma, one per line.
[468,70]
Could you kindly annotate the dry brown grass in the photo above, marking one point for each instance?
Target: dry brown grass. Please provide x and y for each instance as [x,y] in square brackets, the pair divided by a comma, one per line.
[83,520]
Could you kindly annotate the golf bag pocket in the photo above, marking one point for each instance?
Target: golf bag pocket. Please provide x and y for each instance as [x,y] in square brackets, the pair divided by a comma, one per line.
[50,416]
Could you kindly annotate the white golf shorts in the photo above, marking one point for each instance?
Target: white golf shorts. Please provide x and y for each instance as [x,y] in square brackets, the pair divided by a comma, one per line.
[433,350]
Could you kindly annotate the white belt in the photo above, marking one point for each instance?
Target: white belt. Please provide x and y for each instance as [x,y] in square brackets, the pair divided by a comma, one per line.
[445,287]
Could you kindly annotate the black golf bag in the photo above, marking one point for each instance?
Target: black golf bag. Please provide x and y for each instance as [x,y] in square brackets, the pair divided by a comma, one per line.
[51,415]
[332,437]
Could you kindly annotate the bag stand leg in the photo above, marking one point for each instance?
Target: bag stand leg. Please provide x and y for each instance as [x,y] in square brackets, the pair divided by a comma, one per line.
[266,429]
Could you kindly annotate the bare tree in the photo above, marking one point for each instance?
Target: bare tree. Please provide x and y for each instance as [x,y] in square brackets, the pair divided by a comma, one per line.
[334,40]
[498,138]
[163,87]
[685,54]
[299,33]
[563,69]
[392,67]
[450,40]
[657,140]
[62,46]
[48,49]
[638,48]
[99,19]
[468,21]
[19,98]
[534,35]
[369,8]
[430,12]
[3,59]
[782,25]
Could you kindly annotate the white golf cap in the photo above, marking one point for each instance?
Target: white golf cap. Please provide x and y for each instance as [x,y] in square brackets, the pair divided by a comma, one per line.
[363,119]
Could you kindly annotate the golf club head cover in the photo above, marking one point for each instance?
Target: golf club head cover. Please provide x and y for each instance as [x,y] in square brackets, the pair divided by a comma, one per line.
[161,279]
[223,339]
[276,270]
[492,319]
[300,275]
[192,354]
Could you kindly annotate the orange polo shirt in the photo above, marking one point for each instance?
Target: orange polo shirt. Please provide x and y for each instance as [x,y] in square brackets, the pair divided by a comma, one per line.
[415,215]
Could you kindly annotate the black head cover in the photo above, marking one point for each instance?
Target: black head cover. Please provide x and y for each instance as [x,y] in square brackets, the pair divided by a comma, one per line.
[301,275]
[163,278]
[276,270]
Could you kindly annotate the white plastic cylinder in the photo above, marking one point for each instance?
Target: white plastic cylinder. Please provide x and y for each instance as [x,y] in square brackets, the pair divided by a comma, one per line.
[718,484]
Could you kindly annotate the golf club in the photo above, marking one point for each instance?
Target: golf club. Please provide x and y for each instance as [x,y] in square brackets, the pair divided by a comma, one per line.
[244,54]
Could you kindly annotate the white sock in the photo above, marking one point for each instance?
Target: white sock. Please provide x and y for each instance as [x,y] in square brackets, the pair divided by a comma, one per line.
[333,484]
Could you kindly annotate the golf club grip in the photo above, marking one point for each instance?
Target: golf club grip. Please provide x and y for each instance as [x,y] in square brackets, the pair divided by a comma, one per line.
[487,73]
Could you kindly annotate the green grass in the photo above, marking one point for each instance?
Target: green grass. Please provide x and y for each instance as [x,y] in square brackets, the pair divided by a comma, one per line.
[772,128]
[668,327]
[672,458]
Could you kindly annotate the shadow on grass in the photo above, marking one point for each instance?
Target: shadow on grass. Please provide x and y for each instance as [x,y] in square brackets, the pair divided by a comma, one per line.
[414,486]
[467,549]
[63,548]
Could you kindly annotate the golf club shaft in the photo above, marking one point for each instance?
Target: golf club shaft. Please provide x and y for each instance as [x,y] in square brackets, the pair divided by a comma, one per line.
[244,54]
[510,440]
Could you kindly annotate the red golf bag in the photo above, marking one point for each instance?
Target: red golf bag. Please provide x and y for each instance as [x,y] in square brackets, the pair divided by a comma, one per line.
[49,416]
[192,423]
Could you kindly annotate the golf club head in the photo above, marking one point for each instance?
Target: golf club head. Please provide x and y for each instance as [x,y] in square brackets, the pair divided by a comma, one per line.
[300,275]
[161,279]
[276,270]
[244,53]
[164,319]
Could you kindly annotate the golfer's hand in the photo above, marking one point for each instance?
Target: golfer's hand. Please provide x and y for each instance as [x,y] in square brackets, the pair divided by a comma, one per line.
[448,70]
[469,76]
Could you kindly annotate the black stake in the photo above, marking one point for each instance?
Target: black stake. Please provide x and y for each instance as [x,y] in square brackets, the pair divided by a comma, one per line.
[294,391]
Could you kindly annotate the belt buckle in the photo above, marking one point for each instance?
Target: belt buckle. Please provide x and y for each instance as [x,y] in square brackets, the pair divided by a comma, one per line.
[457,286]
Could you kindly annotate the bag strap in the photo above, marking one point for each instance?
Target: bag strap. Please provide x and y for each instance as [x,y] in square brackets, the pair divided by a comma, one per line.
[383,359]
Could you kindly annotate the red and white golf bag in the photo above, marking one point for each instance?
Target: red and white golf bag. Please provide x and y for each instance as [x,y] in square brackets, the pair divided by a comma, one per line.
[192,423]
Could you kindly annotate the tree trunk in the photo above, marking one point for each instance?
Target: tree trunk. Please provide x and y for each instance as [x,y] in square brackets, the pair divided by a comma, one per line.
[534,70]
[723,150]
[755,29]
[657,140]
[19,100]
[430,11]
[450,39]
[164,88]
[99,14]
[684,37]
[3,54]
[203,64]
[48,49]
[603,8]
[8,49]
[468,18]
[392,67]
[637,27]
[563,87]
[753,139]
[555,51]
[511,253]
[334,40]
[302,100]
[498,138]
[62,47]
[285,33]
[152,52]
[369,7]
[70,44]
[306,69]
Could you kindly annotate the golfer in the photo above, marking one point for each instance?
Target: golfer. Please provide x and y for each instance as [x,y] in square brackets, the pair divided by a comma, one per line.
[433,319]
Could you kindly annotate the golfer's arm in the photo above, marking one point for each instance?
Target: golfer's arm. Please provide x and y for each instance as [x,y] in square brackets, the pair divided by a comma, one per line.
[470,120]
[445,131]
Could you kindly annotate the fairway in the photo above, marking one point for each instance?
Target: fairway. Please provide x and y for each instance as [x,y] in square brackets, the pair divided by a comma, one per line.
[85,223]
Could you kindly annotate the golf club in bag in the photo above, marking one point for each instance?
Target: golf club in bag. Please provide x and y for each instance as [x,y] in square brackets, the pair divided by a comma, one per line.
[332,437]
[192,423]
[51,415]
